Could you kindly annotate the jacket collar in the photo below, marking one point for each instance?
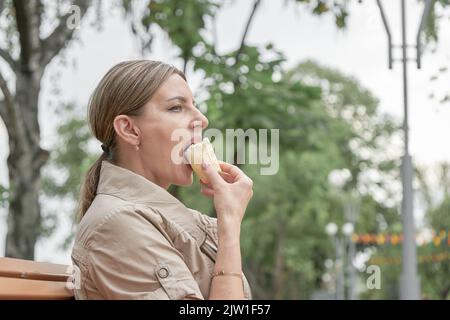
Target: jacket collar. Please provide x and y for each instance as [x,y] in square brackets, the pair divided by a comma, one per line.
[132,187]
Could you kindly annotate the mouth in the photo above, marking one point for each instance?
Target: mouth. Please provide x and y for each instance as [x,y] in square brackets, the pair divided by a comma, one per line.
[194,140]
[183,155]
[187,147]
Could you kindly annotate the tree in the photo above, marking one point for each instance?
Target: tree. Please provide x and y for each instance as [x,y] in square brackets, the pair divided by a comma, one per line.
[28,54]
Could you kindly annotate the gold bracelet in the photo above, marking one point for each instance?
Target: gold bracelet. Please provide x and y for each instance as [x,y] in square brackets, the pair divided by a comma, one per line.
[223,273]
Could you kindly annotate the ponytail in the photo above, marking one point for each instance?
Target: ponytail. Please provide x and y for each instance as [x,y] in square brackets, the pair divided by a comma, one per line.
[89,187]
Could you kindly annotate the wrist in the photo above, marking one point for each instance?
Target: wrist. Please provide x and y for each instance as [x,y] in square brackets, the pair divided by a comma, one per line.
[228,224]
[228,231]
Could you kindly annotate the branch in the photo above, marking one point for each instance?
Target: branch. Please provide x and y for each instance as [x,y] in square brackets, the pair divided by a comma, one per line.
[58,39]
[10,115]
[8,100]
[8,59]
[40,158]
[247,27]
[244,37]
[7,105]
[3,114]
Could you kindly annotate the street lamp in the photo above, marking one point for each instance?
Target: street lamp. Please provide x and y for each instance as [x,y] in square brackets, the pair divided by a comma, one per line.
[347,230]
[351,210]
[331,230]
[350,203]
[409,283]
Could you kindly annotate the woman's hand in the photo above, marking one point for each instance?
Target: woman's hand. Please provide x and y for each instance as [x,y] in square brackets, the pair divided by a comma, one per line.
[231,190]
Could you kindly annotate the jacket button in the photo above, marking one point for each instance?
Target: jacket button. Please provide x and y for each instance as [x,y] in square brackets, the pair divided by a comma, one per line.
[163,272]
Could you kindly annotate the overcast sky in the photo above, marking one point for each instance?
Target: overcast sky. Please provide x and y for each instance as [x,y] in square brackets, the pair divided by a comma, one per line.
[359,51]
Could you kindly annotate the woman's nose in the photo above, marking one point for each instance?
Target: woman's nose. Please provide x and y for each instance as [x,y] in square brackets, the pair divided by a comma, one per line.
[200,118]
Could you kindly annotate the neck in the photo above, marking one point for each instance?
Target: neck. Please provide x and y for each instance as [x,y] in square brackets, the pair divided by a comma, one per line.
[136,165]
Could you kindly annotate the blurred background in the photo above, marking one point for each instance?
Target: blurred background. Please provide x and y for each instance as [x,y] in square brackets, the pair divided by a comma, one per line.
[328,225]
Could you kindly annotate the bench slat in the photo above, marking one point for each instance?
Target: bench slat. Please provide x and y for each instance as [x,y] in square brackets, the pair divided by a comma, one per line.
[25,289]
[31,280]
[27,269]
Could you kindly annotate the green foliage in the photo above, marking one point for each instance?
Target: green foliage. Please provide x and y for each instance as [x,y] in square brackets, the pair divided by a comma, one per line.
[432,26]
[187,18]
[337,8]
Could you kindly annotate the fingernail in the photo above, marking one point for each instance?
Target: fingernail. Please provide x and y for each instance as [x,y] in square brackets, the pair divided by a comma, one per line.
[204,165]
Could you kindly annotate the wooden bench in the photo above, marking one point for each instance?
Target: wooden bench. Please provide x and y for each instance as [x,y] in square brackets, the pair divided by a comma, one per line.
[31,280]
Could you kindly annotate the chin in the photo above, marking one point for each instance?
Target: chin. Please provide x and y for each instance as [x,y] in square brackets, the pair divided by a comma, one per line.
[184,176]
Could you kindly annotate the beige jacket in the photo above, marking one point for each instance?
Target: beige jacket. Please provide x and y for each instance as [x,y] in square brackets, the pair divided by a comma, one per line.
[137,241]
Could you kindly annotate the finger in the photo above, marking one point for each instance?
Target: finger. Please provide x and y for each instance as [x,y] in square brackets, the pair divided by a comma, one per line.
[205,184]
[227,177]
[214,179]
[207,192]
[233,171]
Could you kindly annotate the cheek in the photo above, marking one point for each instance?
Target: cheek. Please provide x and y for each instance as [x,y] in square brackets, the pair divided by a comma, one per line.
[165,141]
[164,152]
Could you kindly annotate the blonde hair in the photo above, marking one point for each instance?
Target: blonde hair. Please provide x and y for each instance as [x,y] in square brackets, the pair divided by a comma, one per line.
[125,89]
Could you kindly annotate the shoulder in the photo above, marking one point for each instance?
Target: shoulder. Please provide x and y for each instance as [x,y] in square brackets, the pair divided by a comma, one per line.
[114,221]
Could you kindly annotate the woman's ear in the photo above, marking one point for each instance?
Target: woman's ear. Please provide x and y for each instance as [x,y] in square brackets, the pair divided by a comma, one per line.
[127,129]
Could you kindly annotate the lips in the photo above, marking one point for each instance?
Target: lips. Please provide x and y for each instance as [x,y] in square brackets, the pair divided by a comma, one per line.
[194,140]
[187,147]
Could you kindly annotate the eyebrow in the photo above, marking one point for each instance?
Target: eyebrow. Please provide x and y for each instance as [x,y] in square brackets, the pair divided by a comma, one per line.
[180,98]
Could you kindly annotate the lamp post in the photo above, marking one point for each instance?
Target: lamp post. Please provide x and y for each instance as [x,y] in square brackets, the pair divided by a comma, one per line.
[347,230]
[350,203]
[409,282]
[332,229]
[340,243]
[351,211]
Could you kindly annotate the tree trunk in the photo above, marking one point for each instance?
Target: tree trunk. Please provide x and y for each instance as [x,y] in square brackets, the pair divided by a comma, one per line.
[24,218]
[25,161]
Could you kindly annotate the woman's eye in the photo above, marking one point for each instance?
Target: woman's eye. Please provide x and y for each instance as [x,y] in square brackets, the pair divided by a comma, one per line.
[175,108]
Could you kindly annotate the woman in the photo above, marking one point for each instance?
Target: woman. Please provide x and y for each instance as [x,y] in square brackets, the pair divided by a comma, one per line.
[135,240]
